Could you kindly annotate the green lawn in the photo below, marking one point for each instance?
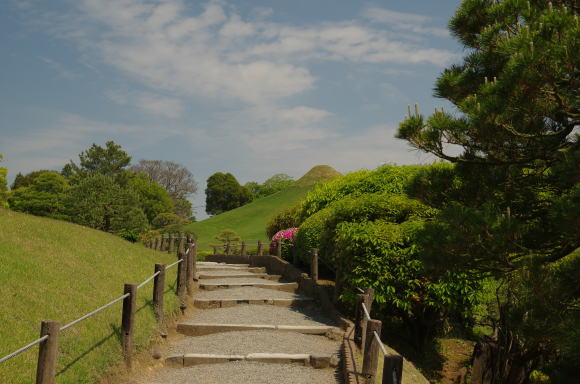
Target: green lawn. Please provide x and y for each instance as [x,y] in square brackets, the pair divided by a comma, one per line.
[60,271]
[249,221]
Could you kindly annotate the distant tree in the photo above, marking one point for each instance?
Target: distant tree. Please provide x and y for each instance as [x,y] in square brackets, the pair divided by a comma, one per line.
[44,196]
[272,185]
[153,198]
[3,183]
[175,178]
[227,236]
[97,201]
[109,161]
[25,180]
[224,193]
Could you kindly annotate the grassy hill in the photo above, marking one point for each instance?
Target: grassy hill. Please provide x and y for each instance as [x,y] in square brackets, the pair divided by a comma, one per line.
[249,221]
[60,271]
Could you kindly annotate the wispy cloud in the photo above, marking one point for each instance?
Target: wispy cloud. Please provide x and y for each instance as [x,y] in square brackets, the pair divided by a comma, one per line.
[403,21]
[149,102]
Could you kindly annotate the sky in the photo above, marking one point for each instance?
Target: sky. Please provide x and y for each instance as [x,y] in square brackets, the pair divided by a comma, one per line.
[252,87]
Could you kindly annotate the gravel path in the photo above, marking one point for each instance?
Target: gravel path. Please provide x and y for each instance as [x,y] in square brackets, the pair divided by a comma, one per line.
[260,314]
[240,280]
[244,342]
[243,372]
[251,293]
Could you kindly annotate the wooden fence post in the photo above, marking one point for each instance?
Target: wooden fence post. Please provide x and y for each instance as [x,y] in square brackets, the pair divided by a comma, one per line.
[228,249]
[369,297]
[193,253]
[181,276]
[47,353]
[156,244]
[243,249]
[371,352]
[128,323]
[171,244]
[215,251]
[158,288]
[260,251]
[393,369]
[189,275]
[279,248]
[181,246]
[314,264]
[358,315]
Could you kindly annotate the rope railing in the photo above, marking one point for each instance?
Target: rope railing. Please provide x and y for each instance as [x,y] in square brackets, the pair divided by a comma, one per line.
[130,290]
[95,311]
[381,345]
[364,307]
[18,352]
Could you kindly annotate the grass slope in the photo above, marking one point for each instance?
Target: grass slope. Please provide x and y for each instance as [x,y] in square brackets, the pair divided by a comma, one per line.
[60,271]
[249,221]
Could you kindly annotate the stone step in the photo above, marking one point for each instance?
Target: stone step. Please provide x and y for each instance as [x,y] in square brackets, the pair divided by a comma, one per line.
[224,303]
[190,359]
[227,268]
[206,276]
[213,264]
[286,287]
[201,329]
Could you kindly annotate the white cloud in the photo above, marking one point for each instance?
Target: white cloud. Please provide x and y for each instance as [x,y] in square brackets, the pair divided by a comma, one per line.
[403,21]
[150,103]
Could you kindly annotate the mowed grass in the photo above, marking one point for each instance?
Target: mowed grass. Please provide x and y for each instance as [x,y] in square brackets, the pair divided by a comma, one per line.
[249,221]
[54,270]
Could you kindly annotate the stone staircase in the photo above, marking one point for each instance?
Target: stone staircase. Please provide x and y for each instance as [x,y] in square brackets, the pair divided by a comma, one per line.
[250,327]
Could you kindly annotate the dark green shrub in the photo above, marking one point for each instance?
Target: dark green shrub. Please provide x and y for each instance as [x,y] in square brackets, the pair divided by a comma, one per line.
[288,218]
[129,236]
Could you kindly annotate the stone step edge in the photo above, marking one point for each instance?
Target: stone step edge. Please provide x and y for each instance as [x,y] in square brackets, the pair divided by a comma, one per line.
[286,287]
[213,264]
[225,303]
[202,329]
[201,276]
[313,360]
[241,269]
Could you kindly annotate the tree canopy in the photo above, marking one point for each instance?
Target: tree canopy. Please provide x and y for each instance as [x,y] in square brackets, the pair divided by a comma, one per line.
[44,195]
[224,193]
[272,185]
[109,161]
[3,183]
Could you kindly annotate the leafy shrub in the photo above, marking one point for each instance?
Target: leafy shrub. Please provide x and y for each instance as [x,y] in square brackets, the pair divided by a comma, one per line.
[388,178]
[168,219]
[288,218]
[129,236]
[287,239]
[309,235]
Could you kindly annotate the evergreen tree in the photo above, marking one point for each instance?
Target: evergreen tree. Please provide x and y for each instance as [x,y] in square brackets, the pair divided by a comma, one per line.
[224,193]
[514,141]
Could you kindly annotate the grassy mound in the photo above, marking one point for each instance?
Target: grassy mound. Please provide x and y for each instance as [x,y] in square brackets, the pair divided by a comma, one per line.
[317,174]
[249,221]
[60,271]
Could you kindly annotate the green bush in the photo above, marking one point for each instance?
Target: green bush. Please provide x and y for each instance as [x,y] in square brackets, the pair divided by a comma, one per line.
[168,219]
[288,218]
[388,178]
[309,235]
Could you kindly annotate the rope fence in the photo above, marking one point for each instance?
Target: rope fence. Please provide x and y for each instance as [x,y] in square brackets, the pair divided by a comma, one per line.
[48,350]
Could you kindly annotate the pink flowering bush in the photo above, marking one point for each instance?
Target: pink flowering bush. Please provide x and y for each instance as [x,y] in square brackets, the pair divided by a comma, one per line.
[287,237]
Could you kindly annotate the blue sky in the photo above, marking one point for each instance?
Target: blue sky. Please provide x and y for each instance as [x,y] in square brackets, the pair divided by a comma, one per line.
[250,87]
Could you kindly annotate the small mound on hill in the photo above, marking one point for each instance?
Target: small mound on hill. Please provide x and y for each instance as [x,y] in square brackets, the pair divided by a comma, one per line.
[316,174]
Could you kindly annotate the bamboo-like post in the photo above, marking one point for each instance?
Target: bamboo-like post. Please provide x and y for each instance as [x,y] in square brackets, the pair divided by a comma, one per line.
[158,287]
[260,251]
[128,323]
[314,264]
[243,249]
[181,280]
[371,352]
[358,315]
[279,248]
[47,353]
[392,369]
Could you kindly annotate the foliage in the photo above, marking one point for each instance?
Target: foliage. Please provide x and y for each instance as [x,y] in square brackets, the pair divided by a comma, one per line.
[25,180]
[167,219]
[513,207]
[45,195]
[382,254]
[224,193]
[153,198]
[284,219]
[3,183]
[388,178]
[177,180]
[227,236]
[109,161]
[287,240]
[129,236]
[99,202]
[272,185]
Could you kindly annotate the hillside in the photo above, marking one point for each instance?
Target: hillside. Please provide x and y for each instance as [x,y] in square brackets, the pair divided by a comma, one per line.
[249,221]
[60,271]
